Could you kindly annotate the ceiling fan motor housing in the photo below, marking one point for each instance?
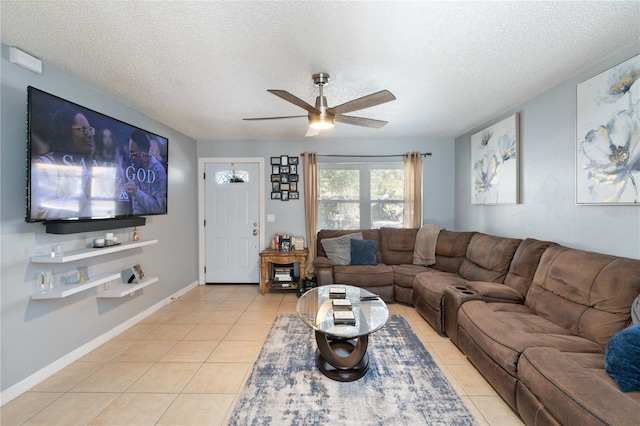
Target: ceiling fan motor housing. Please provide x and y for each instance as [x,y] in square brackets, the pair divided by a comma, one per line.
[321,79]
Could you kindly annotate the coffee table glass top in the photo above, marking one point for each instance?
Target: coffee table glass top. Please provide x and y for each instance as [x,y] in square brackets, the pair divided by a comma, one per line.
[316,310]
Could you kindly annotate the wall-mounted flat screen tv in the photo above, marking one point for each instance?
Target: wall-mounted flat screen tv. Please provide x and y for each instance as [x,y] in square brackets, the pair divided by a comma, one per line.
[85,165]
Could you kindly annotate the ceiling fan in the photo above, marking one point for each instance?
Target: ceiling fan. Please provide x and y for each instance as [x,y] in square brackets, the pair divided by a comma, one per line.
[322,117]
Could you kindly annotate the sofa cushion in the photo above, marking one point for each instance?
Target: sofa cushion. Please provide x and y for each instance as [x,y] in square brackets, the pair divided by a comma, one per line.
[505,330]
[396,245]
[524,264]
[363,252]
[364,275]
[622,358]
[403,275]
[574,388]
[451,249]
[338,249]
[430,285]
[590,294]
[488,258]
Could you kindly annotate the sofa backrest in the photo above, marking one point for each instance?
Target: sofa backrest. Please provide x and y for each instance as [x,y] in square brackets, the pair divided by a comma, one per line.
[488,258]
[587,293]
[525,263]
[367,234]
[396,245]
[451,248]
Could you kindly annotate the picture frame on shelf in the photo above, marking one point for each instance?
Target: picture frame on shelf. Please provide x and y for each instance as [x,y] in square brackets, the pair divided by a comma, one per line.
[138,273]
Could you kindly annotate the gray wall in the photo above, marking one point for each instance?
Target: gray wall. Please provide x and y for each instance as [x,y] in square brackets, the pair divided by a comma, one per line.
[438,175]
[547,180]
[37,333]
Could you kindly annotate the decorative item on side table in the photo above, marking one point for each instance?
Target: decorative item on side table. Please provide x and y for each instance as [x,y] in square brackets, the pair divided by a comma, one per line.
[284,178]
[607,136]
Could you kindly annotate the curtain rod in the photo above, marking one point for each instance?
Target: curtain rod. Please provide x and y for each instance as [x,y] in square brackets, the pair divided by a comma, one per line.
[424,154]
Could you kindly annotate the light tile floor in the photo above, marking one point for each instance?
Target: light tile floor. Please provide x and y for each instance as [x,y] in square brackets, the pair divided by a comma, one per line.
[187,363]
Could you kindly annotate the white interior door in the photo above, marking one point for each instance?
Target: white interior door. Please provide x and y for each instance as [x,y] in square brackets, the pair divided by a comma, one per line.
[232,232]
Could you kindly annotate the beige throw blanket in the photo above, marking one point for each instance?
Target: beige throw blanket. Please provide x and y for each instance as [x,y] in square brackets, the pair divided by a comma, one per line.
[424,252]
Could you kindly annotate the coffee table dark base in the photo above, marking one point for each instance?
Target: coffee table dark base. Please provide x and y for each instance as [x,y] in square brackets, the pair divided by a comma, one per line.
[343,360]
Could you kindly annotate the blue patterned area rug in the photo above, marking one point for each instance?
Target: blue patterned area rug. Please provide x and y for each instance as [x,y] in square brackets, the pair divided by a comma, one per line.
[403,385]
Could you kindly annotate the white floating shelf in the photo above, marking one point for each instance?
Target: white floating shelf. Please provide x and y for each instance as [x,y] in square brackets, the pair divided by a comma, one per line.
[86,253]
[65,290]
[122,290]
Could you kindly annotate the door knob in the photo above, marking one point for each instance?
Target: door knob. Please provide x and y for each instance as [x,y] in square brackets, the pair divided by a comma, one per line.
[255,232]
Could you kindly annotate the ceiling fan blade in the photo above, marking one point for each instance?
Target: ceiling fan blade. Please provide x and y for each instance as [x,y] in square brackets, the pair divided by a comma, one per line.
[363,102]
[273,118]
[294,100]
[360,121]
[311,132]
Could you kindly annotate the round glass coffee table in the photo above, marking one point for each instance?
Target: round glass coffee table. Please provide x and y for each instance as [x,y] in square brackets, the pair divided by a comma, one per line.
[342,348]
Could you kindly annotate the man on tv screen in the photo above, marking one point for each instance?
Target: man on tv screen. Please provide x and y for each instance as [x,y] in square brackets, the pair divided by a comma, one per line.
[146,178]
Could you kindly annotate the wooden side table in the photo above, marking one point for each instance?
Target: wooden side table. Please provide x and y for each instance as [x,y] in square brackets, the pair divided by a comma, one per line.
[270,256]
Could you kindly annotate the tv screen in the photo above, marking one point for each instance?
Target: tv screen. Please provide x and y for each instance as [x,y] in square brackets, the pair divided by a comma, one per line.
[86,165]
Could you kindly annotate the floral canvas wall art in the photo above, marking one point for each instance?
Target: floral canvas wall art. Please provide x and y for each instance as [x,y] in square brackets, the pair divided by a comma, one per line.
[494,163]
[608,136]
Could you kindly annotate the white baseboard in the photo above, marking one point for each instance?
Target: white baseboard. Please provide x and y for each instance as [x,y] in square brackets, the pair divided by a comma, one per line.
[51,369]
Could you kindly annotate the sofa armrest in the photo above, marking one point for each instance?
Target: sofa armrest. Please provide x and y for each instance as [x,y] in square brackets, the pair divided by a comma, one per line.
[494,292]
[323,268]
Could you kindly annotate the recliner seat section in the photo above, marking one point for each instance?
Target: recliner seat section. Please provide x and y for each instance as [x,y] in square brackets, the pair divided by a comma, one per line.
[516,285]
[487,259]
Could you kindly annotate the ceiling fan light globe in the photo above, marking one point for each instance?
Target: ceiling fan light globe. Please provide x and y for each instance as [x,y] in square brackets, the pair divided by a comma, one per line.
[321,123]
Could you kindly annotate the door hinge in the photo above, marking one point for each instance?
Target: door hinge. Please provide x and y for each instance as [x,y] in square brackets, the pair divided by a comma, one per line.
[204,175]
[205,269]
[205,222]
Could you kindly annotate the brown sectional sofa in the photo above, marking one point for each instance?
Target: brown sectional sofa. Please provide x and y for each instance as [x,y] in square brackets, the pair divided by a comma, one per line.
[532,316]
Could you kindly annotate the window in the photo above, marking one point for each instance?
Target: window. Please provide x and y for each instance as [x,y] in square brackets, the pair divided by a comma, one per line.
[360,195]
[232,176]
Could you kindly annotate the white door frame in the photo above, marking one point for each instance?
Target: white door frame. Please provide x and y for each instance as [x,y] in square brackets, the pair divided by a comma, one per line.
[202,162]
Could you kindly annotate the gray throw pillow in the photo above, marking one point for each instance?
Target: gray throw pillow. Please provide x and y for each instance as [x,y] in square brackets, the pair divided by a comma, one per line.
[338,249]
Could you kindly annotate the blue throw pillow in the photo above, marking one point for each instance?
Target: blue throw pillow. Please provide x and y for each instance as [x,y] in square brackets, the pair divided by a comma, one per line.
[363,252]
[622,358]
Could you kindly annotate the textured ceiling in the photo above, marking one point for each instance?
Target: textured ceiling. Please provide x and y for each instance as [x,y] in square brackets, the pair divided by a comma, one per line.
[201,66]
